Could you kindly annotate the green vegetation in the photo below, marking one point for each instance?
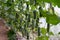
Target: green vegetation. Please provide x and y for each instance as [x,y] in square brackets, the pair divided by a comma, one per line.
[20,17]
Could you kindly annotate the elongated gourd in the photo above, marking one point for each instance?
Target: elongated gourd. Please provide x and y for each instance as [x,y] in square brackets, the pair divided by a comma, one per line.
[40,11]
[38,31]
[27,7]
[38,27]
[48,27]
[34,14]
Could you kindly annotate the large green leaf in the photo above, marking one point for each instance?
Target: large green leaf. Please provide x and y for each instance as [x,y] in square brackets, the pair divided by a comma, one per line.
[52,19]
[55,2]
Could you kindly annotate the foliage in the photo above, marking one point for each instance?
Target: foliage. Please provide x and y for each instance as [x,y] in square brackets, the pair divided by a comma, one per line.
[54,2]
[42,38]
[21,15]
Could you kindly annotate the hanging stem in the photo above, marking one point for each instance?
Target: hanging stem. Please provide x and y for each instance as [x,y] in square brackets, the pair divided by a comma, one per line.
[34,14]
[48,27]
[38,27]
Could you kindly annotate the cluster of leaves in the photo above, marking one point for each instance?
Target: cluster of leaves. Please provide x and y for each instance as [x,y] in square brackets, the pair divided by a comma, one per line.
[42,38]
[21,18]
[54,2]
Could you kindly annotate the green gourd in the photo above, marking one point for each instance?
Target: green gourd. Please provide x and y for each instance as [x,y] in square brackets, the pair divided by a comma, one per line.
[34,14]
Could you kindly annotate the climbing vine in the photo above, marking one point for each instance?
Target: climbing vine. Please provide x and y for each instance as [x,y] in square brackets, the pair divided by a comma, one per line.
[23,16]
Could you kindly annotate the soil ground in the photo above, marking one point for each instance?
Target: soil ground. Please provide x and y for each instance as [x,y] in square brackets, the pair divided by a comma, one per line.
[3,30]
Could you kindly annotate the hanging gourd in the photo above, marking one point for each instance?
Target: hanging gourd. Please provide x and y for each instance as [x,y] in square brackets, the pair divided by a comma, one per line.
[34,14]
[48,27]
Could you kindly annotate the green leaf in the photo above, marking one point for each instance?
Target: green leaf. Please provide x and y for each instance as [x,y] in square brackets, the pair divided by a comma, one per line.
[54,2]
[51,33]
[33,7]
[52,19]
[42,38]
[43,31]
